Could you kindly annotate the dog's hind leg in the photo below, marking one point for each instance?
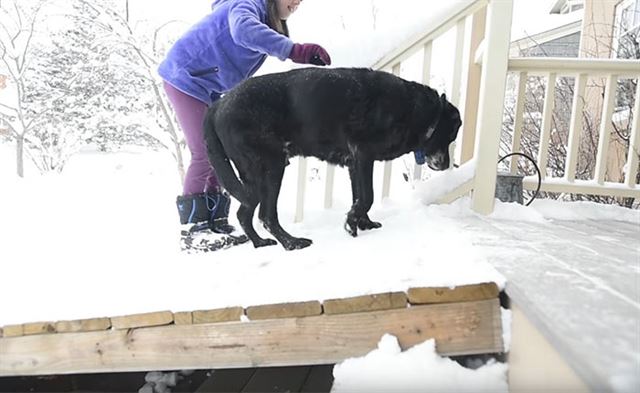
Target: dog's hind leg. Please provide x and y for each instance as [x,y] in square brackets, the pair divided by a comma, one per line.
[247,209]
[271,183]
[361,174]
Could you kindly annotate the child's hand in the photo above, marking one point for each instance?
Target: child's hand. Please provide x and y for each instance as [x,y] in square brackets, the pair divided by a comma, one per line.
[309,54]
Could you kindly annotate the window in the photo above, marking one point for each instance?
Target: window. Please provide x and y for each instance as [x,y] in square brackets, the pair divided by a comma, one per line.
[626,43]
[572,5]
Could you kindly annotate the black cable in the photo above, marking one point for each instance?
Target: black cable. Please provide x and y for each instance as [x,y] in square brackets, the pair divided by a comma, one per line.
[534,165]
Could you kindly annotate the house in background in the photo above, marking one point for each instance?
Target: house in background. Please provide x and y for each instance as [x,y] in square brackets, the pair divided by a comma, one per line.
[626,44]
[556,35]
[593,29]
[601,29]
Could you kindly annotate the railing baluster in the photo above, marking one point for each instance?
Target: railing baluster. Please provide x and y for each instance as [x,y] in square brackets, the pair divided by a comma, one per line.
[575,128]
[457,81]
[472,90]
[427,51]
[328,186]
[457,64]
[518,123]
[547,116]
[426,79]
[634,142]
[605,128]
[386,178]
[302,185]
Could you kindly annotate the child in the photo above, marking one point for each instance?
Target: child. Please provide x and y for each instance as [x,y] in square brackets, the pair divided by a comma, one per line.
[222,50]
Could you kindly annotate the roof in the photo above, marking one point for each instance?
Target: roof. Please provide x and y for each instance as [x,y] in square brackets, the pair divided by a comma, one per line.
[546,36]
[530,19]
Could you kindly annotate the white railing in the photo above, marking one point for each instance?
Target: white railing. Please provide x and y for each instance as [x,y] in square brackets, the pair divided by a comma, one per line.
[482,108]
[582,70]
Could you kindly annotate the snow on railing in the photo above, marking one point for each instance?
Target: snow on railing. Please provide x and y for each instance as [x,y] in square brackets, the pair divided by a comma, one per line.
[421,43]
[582,70]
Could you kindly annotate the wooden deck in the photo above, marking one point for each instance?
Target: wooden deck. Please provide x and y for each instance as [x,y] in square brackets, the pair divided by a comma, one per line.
[579,284]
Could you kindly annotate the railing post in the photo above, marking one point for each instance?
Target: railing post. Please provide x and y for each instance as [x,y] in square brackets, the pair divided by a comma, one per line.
[492,90]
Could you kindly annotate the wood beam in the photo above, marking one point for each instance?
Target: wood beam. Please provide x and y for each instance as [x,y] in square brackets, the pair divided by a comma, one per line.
[458,328]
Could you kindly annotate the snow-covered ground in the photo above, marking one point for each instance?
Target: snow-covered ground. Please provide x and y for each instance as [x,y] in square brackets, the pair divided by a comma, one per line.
[107,230]
[101,239]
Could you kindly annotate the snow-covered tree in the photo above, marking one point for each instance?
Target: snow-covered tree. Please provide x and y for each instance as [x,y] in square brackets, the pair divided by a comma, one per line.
[136,54]
[81,76]
[17,42]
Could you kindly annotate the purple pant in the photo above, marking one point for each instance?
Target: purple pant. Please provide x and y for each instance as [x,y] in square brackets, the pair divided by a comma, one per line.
[190,113]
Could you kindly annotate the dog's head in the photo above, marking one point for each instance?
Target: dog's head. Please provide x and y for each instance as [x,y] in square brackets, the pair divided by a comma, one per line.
[440,134]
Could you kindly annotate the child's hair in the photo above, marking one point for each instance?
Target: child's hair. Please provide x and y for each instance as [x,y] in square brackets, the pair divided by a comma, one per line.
[277,24]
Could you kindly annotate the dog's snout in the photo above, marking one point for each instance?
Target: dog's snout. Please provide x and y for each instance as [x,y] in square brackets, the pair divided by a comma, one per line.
[438,161]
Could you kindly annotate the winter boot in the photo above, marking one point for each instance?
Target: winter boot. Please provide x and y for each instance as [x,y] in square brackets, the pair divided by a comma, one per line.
[218,222]
[205,211]
[209,230]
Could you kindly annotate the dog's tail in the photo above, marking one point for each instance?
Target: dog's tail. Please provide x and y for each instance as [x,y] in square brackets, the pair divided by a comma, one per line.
[220,161]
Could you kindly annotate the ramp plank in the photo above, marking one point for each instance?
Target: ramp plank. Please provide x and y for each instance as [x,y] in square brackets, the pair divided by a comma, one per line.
[458,328]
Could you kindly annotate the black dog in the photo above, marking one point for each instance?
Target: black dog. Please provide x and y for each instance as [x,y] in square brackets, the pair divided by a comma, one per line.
[349,117]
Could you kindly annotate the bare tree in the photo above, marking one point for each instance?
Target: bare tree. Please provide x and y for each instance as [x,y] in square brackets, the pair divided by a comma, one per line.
[91,79]
[17,30]
[119,33]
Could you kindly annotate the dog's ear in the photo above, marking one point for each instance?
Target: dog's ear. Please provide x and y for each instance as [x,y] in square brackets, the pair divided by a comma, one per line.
[431,129]
[440,105]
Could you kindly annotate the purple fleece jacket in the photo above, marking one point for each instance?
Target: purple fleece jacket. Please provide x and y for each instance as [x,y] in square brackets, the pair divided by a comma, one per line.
[223,49]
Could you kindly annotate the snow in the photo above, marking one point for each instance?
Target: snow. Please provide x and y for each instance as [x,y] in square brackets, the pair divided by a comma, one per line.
[107,230]
[418,369]
[441,183]
[100,239]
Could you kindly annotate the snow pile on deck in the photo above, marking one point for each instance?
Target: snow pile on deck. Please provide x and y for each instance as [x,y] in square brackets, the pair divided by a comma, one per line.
[418,369]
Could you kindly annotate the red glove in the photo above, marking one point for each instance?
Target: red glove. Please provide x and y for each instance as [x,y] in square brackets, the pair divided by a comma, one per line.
[309,54]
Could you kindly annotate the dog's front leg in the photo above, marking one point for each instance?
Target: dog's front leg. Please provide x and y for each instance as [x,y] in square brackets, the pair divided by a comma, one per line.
[361,174]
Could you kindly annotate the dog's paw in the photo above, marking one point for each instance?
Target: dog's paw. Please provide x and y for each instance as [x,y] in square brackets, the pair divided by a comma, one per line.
[351,227]
[366,224]
[297,243]
[264,243]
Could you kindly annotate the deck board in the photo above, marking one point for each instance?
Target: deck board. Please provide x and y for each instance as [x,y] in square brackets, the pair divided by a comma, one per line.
[579,283]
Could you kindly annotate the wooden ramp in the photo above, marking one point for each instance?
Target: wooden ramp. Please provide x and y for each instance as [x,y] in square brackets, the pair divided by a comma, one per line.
[465,320]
